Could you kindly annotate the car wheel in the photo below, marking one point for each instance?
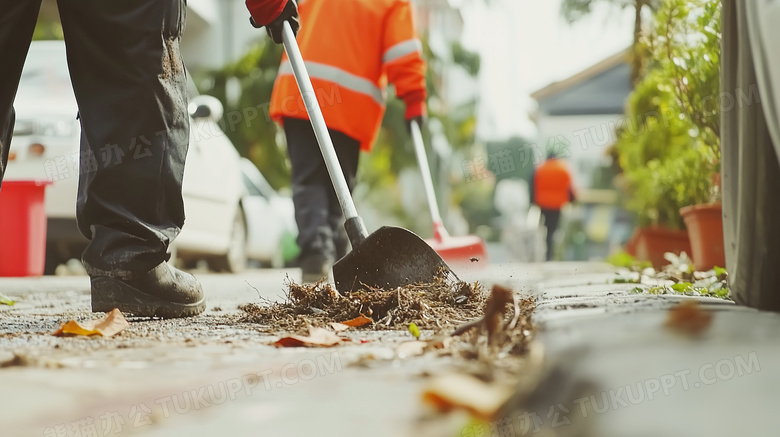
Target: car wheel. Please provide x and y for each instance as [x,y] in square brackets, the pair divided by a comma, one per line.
[235,259]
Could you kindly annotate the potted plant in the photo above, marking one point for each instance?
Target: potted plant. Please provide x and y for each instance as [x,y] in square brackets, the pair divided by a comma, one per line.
[647,141]
[670,154]
[687,45]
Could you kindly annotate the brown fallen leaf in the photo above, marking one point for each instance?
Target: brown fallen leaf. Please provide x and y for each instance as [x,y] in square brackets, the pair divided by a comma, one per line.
[358,321]
[463,392]
[687,317]
[318,337]
[107,326]
[411,348]
[339,327]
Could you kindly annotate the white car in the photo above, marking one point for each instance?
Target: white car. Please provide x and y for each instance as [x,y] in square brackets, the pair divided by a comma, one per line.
[46,144]
[272,242]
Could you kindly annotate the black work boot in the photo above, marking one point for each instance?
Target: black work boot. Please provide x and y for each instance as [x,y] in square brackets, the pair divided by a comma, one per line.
[163,291]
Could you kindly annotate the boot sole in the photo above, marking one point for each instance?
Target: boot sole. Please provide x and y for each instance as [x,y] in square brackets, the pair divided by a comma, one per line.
[109,293]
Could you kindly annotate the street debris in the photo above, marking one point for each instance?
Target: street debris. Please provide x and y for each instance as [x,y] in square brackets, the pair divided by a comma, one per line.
[678,277]
[107,326]
[437,306]
[688,318]
[4,300]
[318,337]
[414,330]
[357,321]
[456,391]
[409,349]
[338,327]
[493,320]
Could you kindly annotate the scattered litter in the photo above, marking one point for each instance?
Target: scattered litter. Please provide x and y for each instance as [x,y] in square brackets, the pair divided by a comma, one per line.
[688,318]
[494,321]
[678,277]
[318,337]
[6,300]
[463,392]
[358,321]
[107,326]
[414,330]
[437,306]
[411,349]
[339,327]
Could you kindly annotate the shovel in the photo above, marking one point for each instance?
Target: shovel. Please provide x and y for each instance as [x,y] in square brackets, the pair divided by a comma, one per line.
[389,258]
[454,250]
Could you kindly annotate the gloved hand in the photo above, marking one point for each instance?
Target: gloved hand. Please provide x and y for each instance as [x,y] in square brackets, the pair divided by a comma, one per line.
[274,28]
[415,109]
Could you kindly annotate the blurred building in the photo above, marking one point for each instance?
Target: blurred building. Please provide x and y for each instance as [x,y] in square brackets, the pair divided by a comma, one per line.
[577,117]
[581,113]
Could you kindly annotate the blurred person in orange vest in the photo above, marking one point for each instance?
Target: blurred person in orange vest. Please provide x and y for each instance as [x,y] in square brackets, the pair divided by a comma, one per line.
[551,188]
[350,67]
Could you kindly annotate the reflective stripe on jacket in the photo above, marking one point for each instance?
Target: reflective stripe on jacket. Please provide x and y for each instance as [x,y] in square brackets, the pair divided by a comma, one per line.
[352,50]
[552,185]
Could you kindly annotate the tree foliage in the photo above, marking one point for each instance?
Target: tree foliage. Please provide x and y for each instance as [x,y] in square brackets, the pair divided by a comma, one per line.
[575,10]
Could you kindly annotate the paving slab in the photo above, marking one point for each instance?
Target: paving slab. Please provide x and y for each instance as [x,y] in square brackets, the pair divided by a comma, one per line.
[621,372]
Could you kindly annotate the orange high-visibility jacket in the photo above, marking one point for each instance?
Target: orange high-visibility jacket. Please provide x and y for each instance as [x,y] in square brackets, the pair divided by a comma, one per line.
[352,49]
[552,185]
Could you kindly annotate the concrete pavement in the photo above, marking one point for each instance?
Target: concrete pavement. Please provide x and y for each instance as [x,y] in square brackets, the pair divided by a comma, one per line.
[209,375]
[620,371]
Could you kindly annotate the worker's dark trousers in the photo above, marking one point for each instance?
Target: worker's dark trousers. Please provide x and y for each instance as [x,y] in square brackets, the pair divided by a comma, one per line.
[130,84]
[317,210]
[552,218]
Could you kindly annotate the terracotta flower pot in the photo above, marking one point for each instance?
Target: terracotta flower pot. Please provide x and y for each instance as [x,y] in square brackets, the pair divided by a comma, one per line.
[705,228]
[650,244]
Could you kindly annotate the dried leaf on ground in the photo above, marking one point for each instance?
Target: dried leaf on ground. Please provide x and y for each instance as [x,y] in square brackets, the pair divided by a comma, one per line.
[414,330]
[437,305]
[107,326]
[4,300]
[688,318]
[503,329]
[318,337]
[338,327]
[411,348]
[358,321]
[463,392]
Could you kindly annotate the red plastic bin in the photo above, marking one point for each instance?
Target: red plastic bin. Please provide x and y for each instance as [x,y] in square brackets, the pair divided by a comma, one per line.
[22,228]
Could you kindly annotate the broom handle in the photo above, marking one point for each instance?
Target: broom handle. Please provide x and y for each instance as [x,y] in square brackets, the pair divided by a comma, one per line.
[318,123]
[425,169]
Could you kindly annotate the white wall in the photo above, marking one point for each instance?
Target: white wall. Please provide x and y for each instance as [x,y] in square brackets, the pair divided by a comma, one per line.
[217,32]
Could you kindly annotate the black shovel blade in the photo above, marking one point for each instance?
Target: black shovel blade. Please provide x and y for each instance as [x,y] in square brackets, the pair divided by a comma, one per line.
[388,258]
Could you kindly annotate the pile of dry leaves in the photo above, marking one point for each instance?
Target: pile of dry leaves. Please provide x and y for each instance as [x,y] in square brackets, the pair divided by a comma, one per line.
[434,306]
[463,310]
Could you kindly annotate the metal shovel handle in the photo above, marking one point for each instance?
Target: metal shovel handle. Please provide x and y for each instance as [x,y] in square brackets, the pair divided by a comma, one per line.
[355,228]
[425,170]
